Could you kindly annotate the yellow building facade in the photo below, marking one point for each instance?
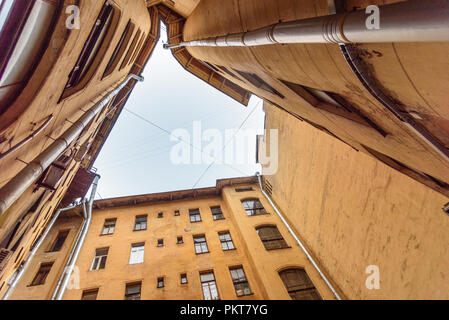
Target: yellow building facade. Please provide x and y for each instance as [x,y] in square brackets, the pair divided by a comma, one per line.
[153,245]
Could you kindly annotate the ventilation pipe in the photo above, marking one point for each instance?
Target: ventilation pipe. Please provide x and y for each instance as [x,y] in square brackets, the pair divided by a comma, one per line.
[11,191]
[73,257]
[22,269]
[301,245]
[409,21]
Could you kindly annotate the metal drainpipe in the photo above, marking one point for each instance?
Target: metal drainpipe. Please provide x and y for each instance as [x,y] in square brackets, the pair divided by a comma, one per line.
[68,269]
[35,249]
[409,21]
[337,296]
[11,191]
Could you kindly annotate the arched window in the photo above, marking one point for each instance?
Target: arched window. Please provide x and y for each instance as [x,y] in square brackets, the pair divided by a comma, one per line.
[253,207]
[299,285]
[25,29]
[271,238]
[120,49]
[94,49]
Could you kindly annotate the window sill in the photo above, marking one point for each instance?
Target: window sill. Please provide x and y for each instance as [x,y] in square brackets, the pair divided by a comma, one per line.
[259,214]
[278,248]
[245,295]
[139,230]
[230,250]
[202,252]
[196,221]
[106,234]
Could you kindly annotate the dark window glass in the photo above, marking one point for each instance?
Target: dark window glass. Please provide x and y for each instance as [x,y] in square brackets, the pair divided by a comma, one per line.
[132,291]
[299,285]
[271,238]
[160,282]
[183,278]
[59,242]
[258,82]
[177,213]
[179,240]
[90,294]
[42,274]
[160,215]
[160,242]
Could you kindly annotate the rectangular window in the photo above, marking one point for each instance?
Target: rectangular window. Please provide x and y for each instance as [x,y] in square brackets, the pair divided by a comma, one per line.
[241,284]
[160,282]
[42,274]
[109,226]
[160,215]
[183,278]
[258,82]
[177,213]
[209,286]
[179,240]
[216,213]
[200,244]
[132,291]
[137,253]
[271,238]
[90,294]
[100,257]
[160,242]
[226,241]
[59,241]
[195,215]
[141,223]
[243,189]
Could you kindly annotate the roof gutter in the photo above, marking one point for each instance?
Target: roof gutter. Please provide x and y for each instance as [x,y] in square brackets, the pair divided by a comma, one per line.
[11,191]
[301,245]
[409,21]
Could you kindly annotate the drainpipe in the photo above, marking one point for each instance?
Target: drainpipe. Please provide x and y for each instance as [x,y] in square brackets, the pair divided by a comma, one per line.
[11,191]
[70,264]
[409,21]
[35,249]
[301,245]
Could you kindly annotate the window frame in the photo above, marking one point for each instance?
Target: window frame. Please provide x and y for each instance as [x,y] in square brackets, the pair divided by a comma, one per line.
[192,212]
[250,212]
[137,253]
[136,223]
[102,259]
[280,241]
[41,274]
[215,214]
[240,281]
[131,295]
[57,238]
[200,244]
[108,228]
[208,283]
[226,241]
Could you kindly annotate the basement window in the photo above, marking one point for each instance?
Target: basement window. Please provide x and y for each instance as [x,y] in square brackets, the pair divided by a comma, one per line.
[120,49]
[253,207]
[94,49]
[258,82]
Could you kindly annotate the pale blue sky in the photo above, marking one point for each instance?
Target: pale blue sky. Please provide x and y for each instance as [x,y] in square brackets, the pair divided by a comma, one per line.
[136,157]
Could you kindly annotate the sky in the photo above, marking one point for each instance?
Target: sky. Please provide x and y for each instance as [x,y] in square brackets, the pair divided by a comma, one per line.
[173,114]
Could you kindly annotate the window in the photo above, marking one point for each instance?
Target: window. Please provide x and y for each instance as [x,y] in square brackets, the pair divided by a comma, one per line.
[299,285]
[42,274]
[137,50]
[195,215]
[100,257]
[183,278]
[130,50]
[160,242]
[141,223]
[137,253]
[241,284]
[258,82]
[120,49]
[209,286]
[132,291]
[109,226]
[160,215]
[243,189]
[200,244]
[226,241]
[94,50]
[59,241]
[160,282]
[90,294]
[253,207]
[271,238]
[177,213]
[179,240]
[216,213]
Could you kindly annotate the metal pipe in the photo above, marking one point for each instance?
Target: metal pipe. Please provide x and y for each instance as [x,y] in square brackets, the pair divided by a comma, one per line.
[67,272]
[35,249]
[27,139]
[301,245]
[409,21]
[11,191]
